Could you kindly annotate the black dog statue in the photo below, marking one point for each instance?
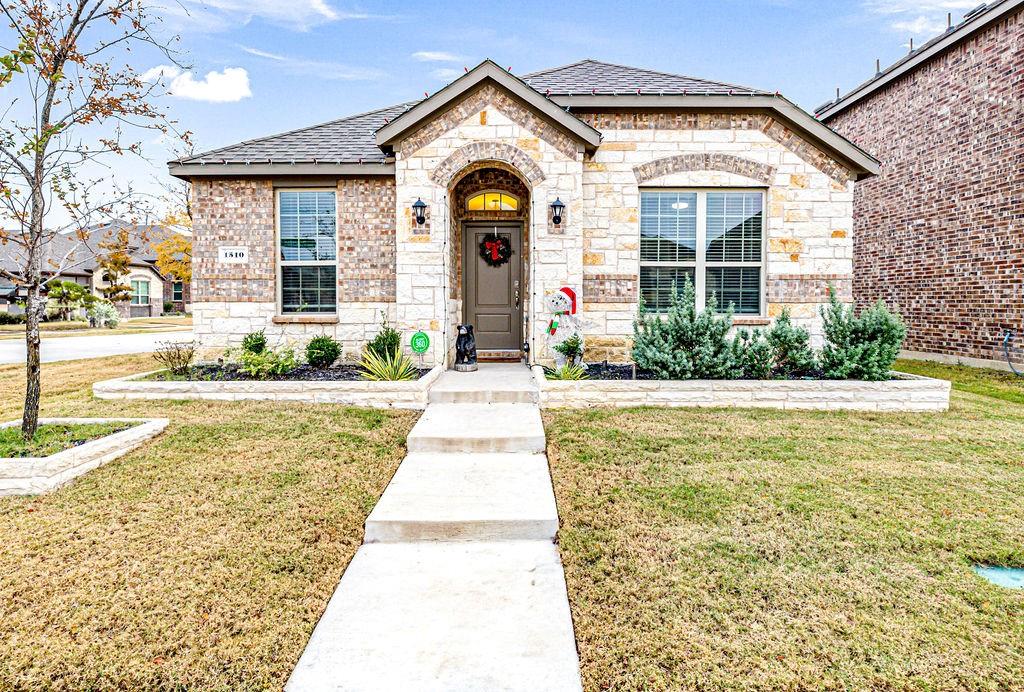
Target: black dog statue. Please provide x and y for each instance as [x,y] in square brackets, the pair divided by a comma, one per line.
[465,349]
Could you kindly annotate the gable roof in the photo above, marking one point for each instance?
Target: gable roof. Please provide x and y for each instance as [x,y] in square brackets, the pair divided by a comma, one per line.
[594,76]
[488,70]
[973,22]
[359,144]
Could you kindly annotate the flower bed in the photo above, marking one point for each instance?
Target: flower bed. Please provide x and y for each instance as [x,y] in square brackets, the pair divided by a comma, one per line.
[233,373]
[902,393]
[30,475]
[409,394]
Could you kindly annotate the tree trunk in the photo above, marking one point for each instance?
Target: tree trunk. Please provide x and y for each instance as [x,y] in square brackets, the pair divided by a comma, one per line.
[33,312]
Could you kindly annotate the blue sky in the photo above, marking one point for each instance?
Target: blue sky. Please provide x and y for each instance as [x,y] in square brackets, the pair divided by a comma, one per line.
[263,66]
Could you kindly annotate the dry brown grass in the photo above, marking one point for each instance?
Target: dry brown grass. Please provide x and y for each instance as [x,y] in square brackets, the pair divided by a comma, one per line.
[201,560]
[758,549]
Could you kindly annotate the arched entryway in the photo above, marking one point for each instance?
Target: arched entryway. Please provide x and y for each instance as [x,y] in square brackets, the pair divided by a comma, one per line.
[490,219]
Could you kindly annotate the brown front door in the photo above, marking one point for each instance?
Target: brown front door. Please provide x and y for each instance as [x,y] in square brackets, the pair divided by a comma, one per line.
[492,296]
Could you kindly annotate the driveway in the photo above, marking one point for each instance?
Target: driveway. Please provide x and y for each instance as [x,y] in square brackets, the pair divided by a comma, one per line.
[79,347]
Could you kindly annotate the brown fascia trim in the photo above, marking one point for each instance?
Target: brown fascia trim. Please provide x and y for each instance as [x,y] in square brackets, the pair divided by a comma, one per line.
[186,171]
[392,132]
[862,163]
[951,38]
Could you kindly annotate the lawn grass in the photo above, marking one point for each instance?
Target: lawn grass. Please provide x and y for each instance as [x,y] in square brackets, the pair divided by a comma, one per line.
[992,383]
[746,549]
[51,438]
[203,559]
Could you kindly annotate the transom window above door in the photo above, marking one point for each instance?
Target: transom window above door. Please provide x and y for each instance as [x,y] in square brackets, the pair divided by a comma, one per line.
[715,238]
[492,201]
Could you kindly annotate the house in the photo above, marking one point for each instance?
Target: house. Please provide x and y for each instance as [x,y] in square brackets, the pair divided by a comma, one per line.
[940,233]
[472,205]
[74,258]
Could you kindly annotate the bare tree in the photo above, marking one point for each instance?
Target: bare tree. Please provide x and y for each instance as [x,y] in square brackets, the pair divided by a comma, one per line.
[77,94]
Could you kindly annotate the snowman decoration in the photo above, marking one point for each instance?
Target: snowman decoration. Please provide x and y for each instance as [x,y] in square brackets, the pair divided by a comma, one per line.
[563,325]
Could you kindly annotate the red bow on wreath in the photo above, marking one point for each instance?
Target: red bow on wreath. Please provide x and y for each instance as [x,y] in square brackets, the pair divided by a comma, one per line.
[494,247]
[495,250]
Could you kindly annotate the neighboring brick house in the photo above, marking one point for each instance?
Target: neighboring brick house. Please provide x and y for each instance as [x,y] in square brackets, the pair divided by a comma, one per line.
[661,176]
[940,233]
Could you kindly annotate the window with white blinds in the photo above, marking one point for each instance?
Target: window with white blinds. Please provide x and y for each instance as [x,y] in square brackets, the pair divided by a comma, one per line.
[713,237]
[308,250]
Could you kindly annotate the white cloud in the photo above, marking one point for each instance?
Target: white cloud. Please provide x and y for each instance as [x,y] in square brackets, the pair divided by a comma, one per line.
[919,17]
[919,26]
[446,73]
[228,86]
[435,56]
[320,68]
[222,15]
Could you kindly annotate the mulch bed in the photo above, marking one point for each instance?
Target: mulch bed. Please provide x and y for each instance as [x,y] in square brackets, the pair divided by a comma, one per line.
[617,371]
[306,373]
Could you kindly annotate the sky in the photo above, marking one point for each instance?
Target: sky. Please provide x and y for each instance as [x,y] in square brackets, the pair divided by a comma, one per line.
[257,67]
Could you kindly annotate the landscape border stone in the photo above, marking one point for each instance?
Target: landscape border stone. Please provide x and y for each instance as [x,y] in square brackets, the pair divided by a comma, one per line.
[904,392]
[405,395]
[34,475]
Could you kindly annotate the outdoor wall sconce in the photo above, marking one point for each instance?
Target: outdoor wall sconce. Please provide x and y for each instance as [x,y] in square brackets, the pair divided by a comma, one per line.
[419,212]
[556,211]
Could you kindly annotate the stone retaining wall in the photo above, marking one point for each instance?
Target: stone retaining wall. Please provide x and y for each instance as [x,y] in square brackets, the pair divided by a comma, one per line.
[32,475]
[407,395]
[906,393]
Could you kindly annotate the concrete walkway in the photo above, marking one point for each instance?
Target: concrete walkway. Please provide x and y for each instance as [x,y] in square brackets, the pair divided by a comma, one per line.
[458,585]
[94,346]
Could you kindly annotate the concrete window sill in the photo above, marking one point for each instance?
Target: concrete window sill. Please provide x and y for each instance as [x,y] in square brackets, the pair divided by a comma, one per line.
[305,319]
[751,321]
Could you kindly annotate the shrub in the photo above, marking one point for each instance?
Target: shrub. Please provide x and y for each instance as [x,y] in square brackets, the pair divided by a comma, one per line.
[10,318]
[791,348]
[104,314]
[175,356]
[686,345]
[267,362]
[322,351]
[860,347]
[572,349]
[568,371]
[254,342]
[387,341]
[753,355]
[168,306]
[392,367]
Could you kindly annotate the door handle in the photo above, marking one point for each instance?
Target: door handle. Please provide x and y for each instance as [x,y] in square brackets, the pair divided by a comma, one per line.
[517,298]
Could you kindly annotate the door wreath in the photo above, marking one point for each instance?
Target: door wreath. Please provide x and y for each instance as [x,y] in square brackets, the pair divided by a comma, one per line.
[495,249]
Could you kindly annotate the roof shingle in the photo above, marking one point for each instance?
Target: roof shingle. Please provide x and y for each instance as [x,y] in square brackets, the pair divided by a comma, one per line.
[588,76]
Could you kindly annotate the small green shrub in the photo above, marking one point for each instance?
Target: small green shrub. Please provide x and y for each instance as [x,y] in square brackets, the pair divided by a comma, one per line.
[859,347]
[267,362]
[254,342]
[104,314]
[9,318]
[387,341]
[168,306]
[392,367]
[572,349]
[686,345]
[176,356]
[322,351]
[568,371]
[753,355]
[791,348]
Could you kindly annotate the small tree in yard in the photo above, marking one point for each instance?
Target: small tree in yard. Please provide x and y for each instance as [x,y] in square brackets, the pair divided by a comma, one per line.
[174,257]
[73,92]
[115,264]
[67,295]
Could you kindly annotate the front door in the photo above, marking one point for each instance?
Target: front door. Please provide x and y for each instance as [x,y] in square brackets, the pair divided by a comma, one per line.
[492,289]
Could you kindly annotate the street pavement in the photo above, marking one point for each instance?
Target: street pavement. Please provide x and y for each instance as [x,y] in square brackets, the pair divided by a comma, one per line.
[79,347]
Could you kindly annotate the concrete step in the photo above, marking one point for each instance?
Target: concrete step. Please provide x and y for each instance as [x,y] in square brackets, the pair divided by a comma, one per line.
[478,428]
[445,616]
[492,383]
[466,497]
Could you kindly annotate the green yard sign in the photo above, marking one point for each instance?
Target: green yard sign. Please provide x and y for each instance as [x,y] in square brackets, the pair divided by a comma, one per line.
[420,342]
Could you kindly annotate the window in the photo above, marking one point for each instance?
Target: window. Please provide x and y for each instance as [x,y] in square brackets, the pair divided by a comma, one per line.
[492,201]
[140,292]
[177,291]
[714,237]
[308,251]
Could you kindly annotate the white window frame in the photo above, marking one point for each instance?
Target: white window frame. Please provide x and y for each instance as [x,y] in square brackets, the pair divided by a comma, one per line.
[279,263]
[701,264]
[139,281]
[177,287]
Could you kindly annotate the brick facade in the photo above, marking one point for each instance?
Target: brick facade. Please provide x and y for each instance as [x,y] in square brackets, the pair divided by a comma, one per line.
[940,233]
[366,240]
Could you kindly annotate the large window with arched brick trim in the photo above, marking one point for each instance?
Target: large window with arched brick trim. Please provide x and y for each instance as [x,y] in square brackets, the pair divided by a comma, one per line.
[713,237]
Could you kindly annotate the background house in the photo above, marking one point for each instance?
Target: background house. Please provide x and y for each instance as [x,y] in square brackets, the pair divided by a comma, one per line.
[940,232]
[661,176]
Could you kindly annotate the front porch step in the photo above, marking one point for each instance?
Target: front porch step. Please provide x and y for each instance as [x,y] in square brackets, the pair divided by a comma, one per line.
[478,428]
[466,497]
[492,383]
[445,616]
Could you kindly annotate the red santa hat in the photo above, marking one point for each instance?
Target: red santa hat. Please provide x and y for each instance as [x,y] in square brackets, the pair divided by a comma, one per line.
[572,298]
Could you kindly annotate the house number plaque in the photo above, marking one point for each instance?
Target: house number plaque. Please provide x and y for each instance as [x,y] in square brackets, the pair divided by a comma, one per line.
[233,254]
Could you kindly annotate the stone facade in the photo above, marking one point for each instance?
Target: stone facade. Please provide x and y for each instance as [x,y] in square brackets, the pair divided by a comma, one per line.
[940,233]
[489,140]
